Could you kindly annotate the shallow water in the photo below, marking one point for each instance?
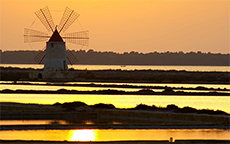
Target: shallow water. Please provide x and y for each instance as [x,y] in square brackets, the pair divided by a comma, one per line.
[51,122]
[222,86]
[81,88]
[120,101]
[42,86]
[31,122]
[128,67]
[116,134]
[54,88]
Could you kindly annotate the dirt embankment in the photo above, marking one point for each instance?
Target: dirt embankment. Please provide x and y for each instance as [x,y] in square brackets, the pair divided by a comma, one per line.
[107,116]
[159,76]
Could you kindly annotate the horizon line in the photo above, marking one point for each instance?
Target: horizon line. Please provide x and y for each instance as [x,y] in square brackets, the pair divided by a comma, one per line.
[172,52]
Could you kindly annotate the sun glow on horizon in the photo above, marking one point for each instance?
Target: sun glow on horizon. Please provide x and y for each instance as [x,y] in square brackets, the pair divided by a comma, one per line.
[82,135]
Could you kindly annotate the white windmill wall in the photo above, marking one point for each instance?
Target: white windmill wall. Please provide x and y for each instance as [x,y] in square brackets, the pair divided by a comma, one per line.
[56,59]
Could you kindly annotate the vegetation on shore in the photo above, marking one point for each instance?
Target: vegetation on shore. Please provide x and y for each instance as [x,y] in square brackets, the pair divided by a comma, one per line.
[80,115]
[144,107]
[74,106]
[92,57]
[166,91]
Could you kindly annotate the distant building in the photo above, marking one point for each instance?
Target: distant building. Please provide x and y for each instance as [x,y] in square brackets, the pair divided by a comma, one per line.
[56,64]
[56,59]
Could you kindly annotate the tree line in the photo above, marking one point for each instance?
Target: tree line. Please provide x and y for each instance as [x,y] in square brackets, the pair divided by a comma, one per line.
[92,57]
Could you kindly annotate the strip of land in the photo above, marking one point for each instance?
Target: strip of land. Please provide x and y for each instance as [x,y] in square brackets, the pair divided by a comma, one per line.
[166,91]
[143,76]
[92,84]
[106,116]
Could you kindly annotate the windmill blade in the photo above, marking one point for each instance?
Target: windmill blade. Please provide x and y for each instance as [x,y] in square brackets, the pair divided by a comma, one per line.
[71,57]
[46,18]
[69,16]
[40,57]
[81,38]
[31,35]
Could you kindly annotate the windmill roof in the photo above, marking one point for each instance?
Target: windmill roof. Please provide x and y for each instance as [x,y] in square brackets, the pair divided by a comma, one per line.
[56,37]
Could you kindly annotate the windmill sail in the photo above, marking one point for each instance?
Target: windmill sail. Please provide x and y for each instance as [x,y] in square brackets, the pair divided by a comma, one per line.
[31,35]
[46,18]
[40,57]
[71,57]
[69,16]
[81,38]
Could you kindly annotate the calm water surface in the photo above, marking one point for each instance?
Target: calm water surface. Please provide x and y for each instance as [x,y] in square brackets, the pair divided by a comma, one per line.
[80,88]
[120,101]
[47,122]
[48,87]
[115,134]
[222,86]
[129,67]
[227,86]
[52,122]
[31,122]
[13,86]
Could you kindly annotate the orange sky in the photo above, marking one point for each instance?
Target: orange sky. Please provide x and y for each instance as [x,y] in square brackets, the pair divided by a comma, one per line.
[126,25]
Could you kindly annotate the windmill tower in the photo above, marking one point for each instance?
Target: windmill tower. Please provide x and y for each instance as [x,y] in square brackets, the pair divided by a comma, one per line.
[54,56]
[56,59]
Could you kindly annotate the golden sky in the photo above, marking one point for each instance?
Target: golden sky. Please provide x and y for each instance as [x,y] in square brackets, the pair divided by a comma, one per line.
[126,25]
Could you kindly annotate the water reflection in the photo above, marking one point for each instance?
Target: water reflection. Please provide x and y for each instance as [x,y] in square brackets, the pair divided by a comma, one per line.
[82,135]
[31,122]
[62,122]
[128,67]
[87,88]
[54,88]
[116,134]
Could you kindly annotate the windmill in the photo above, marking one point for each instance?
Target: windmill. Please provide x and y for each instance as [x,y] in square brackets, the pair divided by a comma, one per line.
[54,55]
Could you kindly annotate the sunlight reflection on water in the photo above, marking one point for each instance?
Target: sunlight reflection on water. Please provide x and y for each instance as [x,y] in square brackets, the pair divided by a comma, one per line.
[82,135]
[116,134]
